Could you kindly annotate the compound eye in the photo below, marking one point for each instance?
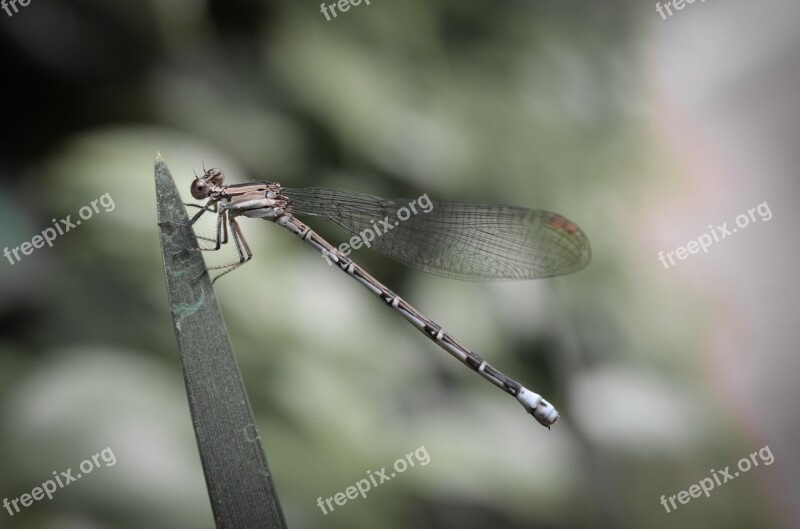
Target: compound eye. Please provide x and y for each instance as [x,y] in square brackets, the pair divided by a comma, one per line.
[200,189]
[216,176]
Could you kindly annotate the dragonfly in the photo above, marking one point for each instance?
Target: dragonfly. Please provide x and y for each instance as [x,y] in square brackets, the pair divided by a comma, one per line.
[460,240]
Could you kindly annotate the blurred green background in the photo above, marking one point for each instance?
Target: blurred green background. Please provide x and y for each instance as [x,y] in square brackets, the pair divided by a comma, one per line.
[643,131]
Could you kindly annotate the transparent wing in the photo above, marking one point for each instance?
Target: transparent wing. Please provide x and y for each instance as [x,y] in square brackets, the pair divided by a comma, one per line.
[461,240]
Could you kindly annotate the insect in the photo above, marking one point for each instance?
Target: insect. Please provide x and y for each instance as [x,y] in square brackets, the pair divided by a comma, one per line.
[453,239]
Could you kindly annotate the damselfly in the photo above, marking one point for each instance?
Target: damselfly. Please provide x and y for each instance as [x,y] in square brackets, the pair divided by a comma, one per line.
[454,239]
